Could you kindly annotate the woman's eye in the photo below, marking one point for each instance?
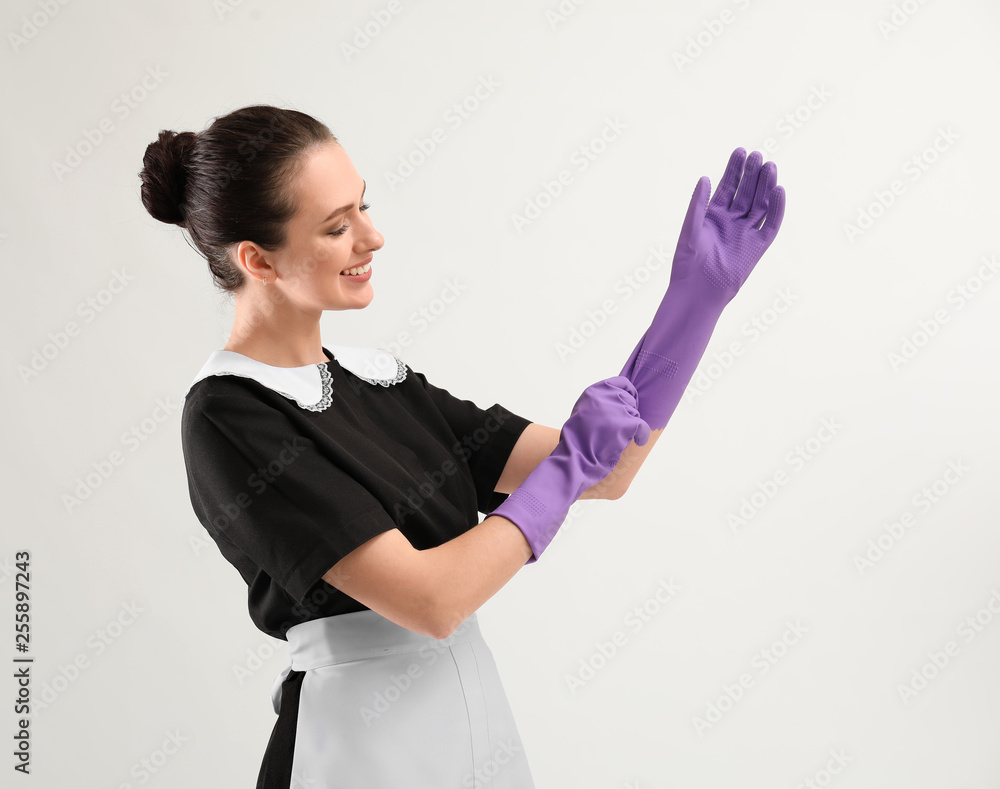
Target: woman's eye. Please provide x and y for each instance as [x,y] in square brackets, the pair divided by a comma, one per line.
[340,231]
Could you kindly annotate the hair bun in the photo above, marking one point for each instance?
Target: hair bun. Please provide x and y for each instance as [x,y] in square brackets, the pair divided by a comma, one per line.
[164,176]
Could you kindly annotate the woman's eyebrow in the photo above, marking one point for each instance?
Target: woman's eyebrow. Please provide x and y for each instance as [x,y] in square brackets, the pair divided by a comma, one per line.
[348,206]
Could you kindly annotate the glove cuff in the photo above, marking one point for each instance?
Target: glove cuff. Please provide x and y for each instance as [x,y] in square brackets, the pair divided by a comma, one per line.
[540,504]
[666,357]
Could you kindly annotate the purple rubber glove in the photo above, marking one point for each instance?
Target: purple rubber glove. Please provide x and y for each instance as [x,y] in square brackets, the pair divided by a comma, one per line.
[717,249]
[603,422]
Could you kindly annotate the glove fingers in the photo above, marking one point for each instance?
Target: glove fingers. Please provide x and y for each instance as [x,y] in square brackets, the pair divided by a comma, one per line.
[765,183]
[748,184]
[723,196]
[642,433]
[625,385]
[630,397]
[775,213]
[695,216]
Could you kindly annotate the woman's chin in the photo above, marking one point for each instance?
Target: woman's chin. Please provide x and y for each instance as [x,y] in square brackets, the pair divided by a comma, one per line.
[358,300]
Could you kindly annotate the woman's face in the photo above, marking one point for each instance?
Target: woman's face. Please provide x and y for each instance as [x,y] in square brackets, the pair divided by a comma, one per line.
[330,234]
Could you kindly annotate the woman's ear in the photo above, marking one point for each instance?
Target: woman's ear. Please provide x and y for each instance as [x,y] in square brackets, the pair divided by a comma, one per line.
[252,260]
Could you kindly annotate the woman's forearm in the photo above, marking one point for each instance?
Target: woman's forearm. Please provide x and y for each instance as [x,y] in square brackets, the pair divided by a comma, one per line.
[618,481]
[432,591]
[538,441]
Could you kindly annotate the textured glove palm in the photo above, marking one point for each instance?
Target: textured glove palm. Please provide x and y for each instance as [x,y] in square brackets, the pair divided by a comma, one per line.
[719,245]
[603,422]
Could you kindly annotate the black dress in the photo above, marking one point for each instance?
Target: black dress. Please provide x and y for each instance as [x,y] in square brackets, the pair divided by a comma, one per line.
[290,469]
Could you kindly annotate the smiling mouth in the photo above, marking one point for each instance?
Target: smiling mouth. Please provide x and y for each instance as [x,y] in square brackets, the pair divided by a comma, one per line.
[357,271]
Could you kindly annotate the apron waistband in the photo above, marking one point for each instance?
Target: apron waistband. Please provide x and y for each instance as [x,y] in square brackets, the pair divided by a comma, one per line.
[364,634]
[357,636]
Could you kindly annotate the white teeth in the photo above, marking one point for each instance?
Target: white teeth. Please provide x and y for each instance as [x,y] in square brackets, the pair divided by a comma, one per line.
[359,270]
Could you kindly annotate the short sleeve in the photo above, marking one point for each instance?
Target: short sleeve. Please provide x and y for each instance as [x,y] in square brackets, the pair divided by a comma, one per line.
[263,489]
[485,438]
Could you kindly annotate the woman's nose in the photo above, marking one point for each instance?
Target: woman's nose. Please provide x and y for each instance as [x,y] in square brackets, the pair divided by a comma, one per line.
[372,239]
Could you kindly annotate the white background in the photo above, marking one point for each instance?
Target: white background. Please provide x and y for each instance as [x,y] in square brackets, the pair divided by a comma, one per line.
[131,538]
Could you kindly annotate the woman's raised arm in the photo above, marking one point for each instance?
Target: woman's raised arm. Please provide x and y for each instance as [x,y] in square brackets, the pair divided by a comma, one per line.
[537,441]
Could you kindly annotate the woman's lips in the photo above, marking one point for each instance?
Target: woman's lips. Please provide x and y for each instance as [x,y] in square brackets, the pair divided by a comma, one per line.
[359,265]
[363,277]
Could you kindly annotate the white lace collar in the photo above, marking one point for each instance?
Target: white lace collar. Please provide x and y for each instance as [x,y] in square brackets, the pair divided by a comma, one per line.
[310,386]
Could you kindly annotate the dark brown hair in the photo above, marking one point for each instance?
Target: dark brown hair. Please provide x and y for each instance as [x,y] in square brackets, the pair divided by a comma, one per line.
[231,182]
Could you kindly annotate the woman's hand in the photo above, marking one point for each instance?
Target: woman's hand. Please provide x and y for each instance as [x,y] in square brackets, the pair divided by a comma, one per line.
[719,245]
[721,242]
[604,421]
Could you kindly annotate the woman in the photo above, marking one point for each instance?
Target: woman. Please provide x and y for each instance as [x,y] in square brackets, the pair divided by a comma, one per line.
[345,487]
